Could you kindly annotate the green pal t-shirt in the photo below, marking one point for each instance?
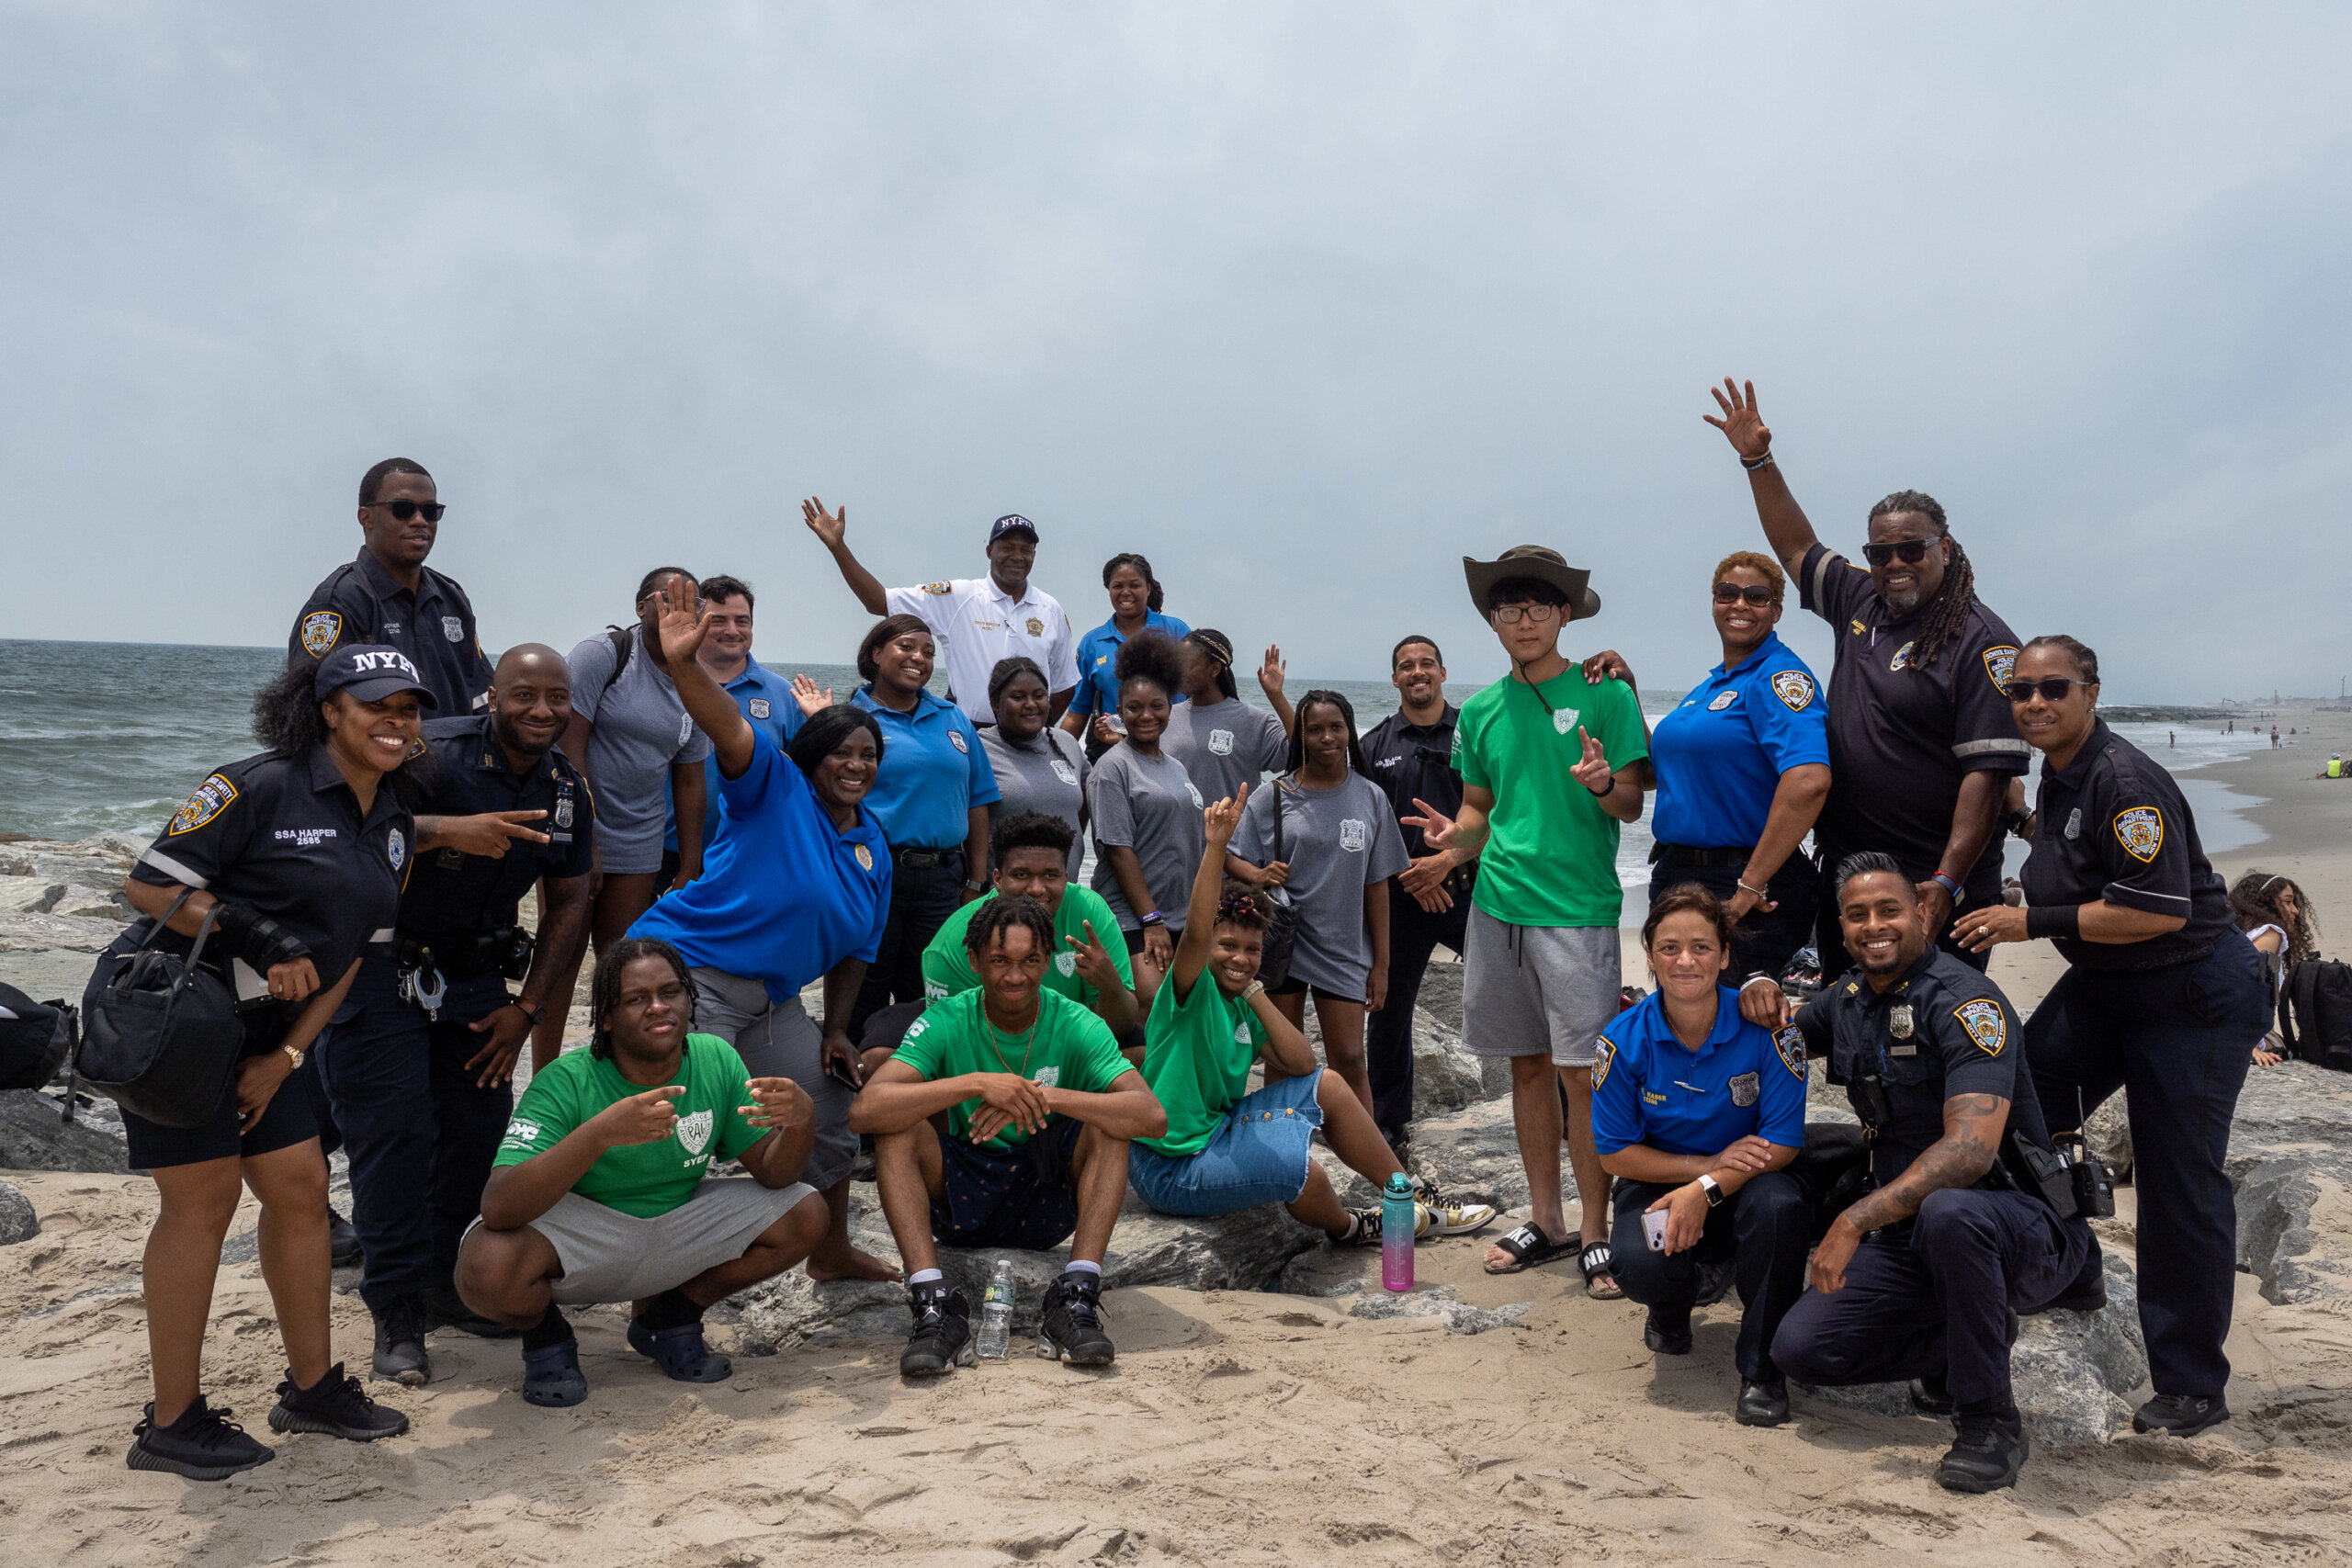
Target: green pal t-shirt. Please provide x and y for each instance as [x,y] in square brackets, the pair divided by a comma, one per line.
[1551,859]
[948,965]
[642,1179]
[1196,1057]
[1068,1048]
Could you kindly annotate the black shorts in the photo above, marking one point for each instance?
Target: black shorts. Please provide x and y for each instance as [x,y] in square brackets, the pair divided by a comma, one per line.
[1292,987]
[1018,1199]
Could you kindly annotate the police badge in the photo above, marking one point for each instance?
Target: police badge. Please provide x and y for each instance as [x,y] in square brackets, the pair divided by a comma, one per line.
[1744,1087]
[1902,657]
[2141,830]
[1067,961]
[453,628]
[694,1131]
[396,847]
[563,809]
[1985,1024]
[760,708]
[1036,628]
[1220,743]
[865,858]
[956,739]
[1354,836]
[1064,771]
[1722,699]
[1898,1021]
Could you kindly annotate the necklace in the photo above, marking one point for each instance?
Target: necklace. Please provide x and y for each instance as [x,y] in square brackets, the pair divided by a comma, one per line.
[996,1043]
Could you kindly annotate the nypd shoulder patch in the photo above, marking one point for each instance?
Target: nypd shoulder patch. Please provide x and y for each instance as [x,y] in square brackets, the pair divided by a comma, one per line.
[1604,1051]
[939,588]
[1794,688]
[1789,1043]
[2141,830]
[211,798]
[1986,1023]
[1999,661]
[320,629]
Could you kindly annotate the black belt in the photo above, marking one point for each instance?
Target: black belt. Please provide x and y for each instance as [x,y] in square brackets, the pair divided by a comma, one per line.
[461,959]
[1685,854]
[916,855]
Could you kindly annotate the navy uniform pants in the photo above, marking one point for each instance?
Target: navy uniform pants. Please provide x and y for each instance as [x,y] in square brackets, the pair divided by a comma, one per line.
[921,898]
[1763,1227]
[2177,1041]
[1413,934]
[1934,1302]
[1765,941]
[418,1132]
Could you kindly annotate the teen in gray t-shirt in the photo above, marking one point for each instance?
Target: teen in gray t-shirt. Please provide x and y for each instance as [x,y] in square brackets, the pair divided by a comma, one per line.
[1047,773]
[1224,744]
[639,727]
[1149,805]
[1337,844]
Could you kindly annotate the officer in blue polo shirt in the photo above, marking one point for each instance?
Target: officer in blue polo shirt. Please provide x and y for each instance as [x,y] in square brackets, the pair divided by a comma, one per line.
[1697,1113]
[763,698]
[1135,598]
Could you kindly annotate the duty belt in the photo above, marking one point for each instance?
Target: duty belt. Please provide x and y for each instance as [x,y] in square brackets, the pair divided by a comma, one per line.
[915,855]
[427,967]
[1685,854]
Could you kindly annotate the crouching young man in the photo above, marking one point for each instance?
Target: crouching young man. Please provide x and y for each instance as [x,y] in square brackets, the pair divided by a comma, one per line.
[599,1191]
[1004,1120]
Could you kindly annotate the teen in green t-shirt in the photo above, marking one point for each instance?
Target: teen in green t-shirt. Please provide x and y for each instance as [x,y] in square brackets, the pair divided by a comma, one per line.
[600,1190]
[1553,761]
[1038,1107]
[1226,1148]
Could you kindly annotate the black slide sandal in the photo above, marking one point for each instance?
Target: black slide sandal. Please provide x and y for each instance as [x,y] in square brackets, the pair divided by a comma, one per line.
[1599,1261]
[1529,1248]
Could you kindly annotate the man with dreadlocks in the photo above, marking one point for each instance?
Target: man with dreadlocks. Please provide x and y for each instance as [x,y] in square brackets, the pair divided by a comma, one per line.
[1922,744]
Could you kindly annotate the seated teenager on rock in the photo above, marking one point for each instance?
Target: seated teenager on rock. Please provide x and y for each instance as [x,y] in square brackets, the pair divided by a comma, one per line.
[1227,1149]
[1003,1121]
[602,1191]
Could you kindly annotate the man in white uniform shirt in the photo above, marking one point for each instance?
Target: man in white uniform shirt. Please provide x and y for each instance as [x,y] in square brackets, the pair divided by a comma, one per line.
[977,620]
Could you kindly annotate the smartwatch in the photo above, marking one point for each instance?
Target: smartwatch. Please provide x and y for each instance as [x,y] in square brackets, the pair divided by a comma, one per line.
[1714,1193]
[538,1015]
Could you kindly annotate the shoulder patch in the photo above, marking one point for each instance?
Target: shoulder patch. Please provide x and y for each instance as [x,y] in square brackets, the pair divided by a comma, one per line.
[1789,1043]
[2141,830]
[939,588]
[1999,660]
[211,798]
[320,629]
[1794,688]
[1604,1051]
[1986,1023]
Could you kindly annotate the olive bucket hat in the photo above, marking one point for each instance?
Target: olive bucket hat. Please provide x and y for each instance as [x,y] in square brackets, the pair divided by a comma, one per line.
[1535,561]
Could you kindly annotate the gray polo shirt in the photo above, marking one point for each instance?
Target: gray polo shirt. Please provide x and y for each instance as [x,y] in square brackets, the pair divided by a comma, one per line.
[637,729]
[1150,806]
[1226,745]
[1338,842]
[1048,775]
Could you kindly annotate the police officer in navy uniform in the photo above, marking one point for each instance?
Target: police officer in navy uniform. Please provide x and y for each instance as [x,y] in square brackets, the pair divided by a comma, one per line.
[296,858]
[418,1066]
[2165,997]
[389,596]
[1923,1277]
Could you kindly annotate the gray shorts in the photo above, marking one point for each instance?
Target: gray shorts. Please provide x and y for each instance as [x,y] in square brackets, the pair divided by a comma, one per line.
[1537,990]
[608,1255]
[780,1040]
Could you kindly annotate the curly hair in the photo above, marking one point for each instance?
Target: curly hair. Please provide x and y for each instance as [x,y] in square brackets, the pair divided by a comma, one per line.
[2254,901]
[605,989]
[1029,830]
[289,720]
[1001,914]
[1945,614]
[1239,904]
[1151,654]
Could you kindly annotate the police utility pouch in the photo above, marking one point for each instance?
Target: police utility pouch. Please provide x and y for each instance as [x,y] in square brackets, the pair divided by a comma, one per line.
[162,1036]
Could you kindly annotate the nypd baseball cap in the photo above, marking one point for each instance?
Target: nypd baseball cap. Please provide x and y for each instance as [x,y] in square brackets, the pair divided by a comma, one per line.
[371,672]
[1012,523]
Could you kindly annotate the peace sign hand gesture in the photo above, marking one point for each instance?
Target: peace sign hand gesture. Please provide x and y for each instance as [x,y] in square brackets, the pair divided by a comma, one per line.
[1742,425]
[684,618]
[1592,770]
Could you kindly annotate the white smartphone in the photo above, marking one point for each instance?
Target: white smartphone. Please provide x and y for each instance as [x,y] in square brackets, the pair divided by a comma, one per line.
[1654,1227]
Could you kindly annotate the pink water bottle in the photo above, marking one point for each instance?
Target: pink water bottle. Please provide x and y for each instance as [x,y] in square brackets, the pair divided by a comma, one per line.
[1397,1217]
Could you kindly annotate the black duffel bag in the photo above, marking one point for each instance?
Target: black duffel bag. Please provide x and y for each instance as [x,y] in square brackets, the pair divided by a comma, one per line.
[2315,1013]
[163,1037]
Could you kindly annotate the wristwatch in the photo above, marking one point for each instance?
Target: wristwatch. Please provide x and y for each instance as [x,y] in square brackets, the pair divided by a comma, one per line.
[538,1015]
[294,1056]
[972,886]
[1714,1193]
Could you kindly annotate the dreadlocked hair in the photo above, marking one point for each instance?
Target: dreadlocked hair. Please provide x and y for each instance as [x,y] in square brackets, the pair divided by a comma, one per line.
[605,989]
[1001,914]
[1239,904]
[1944,616]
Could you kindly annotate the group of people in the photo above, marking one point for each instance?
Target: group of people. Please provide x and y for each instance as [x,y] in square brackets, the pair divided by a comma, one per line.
[1022,1049]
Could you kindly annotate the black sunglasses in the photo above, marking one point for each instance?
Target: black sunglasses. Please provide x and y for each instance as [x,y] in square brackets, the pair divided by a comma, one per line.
[402,511]
[2053,690]
[1757,594]
[1910,552]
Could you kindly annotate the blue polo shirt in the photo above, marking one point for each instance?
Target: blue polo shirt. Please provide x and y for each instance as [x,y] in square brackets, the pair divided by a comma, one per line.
[785,895]
[1649,1087]
[766,698]
[1098,658]
[932,773]
[1720,754]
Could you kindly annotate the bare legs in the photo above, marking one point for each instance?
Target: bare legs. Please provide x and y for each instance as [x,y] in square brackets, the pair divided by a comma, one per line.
[834,1258]
[620,898]
[1350,1130]
[1343,1025]
[505,1274]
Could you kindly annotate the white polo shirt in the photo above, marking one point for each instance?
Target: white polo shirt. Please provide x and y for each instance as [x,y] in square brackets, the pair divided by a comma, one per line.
[976,623]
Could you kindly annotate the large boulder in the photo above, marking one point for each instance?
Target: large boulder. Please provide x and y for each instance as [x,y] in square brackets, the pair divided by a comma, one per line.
[17,1221]
[2291,1160]
[34,1136]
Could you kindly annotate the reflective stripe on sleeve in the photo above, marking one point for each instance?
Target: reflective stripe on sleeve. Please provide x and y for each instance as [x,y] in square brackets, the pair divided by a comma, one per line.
[1981,748]
[173,869]
[1820,572]
[384,935]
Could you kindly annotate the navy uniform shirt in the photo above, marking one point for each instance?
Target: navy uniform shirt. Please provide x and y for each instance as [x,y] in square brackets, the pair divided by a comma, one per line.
[932,773]
[433,626]
[1650,1089]
[452,895]
[1720,754]
[1902,735]
[2112,828]
[1941,1031]
[1415,762]
[285,837]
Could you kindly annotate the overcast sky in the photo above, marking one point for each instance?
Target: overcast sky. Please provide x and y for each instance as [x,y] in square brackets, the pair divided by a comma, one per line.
[1303,302]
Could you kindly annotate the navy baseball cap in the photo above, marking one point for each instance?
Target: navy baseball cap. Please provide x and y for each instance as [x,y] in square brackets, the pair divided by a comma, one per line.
[1012,523]
[371,672]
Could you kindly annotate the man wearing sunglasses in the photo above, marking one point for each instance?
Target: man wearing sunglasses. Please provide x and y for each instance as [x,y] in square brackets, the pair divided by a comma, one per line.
[1922,744]
[389,596]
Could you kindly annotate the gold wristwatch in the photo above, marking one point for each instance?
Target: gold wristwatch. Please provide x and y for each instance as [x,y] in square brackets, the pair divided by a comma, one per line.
[293,1056]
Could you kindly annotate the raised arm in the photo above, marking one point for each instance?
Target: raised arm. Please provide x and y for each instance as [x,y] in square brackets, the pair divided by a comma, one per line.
[1786,526]
[685,621]
[1200,912]
[831,529]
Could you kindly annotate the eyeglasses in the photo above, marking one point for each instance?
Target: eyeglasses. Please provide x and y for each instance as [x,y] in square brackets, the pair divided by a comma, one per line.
[2054,690]
[402,511]
[1758,594]
[1910,552]
[1511,614]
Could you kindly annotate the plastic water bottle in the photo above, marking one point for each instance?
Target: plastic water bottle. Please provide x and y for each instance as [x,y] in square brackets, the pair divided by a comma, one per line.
[1396,1206]
[996,1313]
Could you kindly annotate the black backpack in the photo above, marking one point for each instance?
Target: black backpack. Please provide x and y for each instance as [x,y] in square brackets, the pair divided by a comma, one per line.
[34,1043]
[2315,1013]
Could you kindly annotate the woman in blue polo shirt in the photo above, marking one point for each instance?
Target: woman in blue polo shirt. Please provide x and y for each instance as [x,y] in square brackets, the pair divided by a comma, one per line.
[1135,598]
[796,885]
[931,800]
[1743,768]
[1697,1113]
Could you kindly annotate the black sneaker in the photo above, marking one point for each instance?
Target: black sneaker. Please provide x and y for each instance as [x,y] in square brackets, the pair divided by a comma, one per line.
[1668,1332]
[202,1445]
[399,1343]
[1072,1330]
[1986,1455]
[2182,1415]
[335,1406]
[343,1250]
[943,1331]
[1761,1404]
[444,1307]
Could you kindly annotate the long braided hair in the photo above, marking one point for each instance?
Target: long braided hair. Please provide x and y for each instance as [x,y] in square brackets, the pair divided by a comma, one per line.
[605,988]
[1945,614]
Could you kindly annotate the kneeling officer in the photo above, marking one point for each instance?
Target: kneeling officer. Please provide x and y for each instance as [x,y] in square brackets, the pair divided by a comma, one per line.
[1972,1215]
[425,1045]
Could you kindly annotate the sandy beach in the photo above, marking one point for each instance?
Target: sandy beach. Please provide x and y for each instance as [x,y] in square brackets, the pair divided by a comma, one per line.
[1236,1427]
